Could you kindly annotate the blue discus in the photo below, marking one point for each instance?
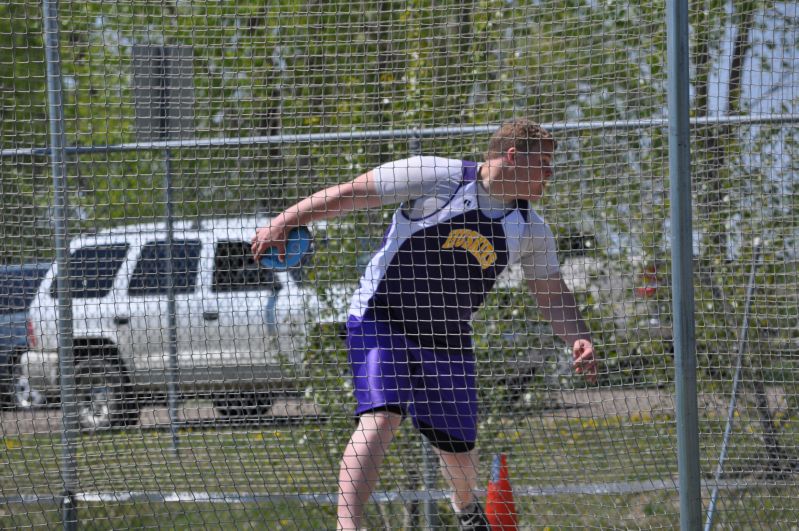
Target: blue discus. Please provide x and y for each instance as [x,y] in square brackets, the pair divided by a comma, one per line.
[298,247]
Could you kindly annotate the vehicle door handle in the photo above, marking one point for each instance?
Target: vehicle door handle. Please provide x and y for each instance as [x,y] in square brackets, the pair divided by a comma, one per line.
[121,320]
[211,316]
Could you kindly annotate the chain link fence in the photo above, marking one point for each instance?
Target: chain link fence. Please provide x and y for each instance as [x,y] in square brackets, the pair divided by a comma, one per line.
[153,374]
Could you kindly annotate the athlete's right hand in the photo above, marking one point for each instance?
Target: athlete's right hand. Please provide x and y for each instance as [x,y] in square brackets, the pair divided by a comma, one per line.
[584,361]
[274,235]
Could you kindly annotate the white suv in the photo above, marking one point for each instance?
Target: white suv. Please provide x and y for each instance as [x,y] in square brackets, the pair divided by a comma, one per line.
[241,329]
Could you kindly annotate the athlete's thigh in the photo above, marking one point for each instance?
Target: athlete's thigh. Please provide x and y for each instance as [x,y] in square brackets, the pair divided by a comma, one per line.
[379,362]
[445,395]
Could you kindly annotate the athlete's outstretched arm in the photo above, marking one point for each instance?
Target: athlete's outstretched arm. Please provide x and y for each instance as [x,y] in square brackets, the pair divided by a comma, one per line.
[556,302]
[339,199]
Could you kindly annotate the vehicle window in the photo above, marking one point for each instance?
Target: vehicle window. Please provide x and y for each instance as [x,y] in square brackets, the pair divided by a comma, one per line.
[92,270]
[151,276]
[236,270]
[18,288]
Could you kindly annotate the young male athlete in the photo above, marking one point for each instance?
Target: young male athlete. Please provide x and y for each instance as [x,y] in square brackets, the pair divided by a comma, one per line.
[459,225]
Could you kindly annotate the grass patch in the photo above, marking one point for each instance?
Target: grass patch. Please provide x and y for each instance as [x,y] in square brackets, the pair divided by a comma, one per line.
[544,453]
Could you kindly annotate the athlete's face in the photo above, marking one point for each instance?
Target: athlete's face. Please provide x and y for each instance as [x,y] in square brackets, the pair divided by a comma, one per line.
[525,175]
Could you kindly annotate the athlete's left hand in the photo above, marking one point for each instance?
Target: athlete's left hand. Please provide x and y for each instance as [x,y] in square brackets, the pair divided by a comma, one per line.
[584,362]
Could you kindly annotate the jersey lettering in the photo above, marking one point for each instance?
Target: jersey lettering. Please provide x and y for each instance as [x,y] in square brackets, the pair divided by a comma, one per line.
[475,243]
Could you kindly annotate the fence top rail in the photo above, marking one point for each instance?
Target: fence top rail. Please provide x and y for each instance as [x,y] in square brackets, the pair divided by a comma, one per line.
[391,134]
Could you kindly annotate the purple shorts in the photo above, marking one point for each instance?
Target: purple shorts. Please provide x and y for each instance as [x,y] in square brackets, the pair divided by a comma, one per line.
[437,390]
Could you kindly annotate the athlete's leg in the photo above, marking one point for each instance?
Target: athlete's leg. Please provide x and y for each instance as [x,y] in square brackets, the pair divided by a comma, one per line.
[460,471]
[444,410]
[360,464]
[381,386]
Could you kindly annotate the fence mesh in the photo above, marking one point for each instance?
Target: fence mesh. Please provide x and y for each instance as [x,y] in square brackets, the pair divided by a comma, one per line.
[211,392]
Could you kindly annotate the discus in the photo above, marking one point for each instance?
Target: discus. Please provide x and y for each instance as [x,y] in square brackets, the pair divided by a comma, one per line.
[298,247]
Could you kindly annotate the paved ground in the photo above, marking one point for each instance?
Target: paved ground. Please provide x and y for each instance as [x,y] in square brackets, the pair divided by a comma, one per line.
[584,403]
[48,420]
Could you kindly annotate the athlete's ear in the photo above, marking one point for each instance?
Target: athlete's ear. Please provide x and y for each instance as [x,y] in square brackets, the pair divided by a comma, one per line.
[510,155]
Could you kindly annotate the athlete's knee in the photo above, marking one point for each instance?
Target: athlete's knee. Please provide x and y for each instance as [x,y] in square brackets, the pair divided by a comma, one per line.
[381,425]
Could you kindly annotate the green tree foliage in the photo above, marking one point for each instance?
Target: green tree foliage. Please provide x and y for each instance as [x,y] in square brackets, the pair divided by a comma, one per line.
[22,76]
[299,67]
[23,123]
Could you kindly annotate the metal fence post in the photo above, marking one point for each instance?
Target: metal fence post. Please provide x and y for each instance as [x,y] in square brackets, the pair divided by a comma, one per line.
[70,426]
[682,266]
[172,333]
[163,103]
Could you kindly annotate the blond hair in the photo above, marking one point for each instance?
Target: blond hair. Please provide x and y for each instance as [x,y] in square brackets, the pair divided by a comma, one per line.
[523,134]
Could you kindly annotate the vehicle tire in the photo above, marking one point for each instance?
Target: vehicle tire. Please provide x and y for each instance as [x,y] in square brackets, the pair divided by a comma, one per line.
[7,394]
[243,405]
[103,395]
[25,396]
[15,389]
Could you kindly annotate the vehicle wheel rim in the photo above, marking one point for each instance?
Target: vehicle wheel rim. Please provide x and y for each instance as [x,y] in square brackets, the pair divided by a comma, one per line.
[25,395]
[22,392]
[95,410]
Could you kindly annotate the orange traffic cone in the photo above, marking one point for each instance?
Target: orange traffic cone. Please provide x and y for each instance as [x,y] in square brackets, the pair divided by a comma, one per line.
[500,508]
